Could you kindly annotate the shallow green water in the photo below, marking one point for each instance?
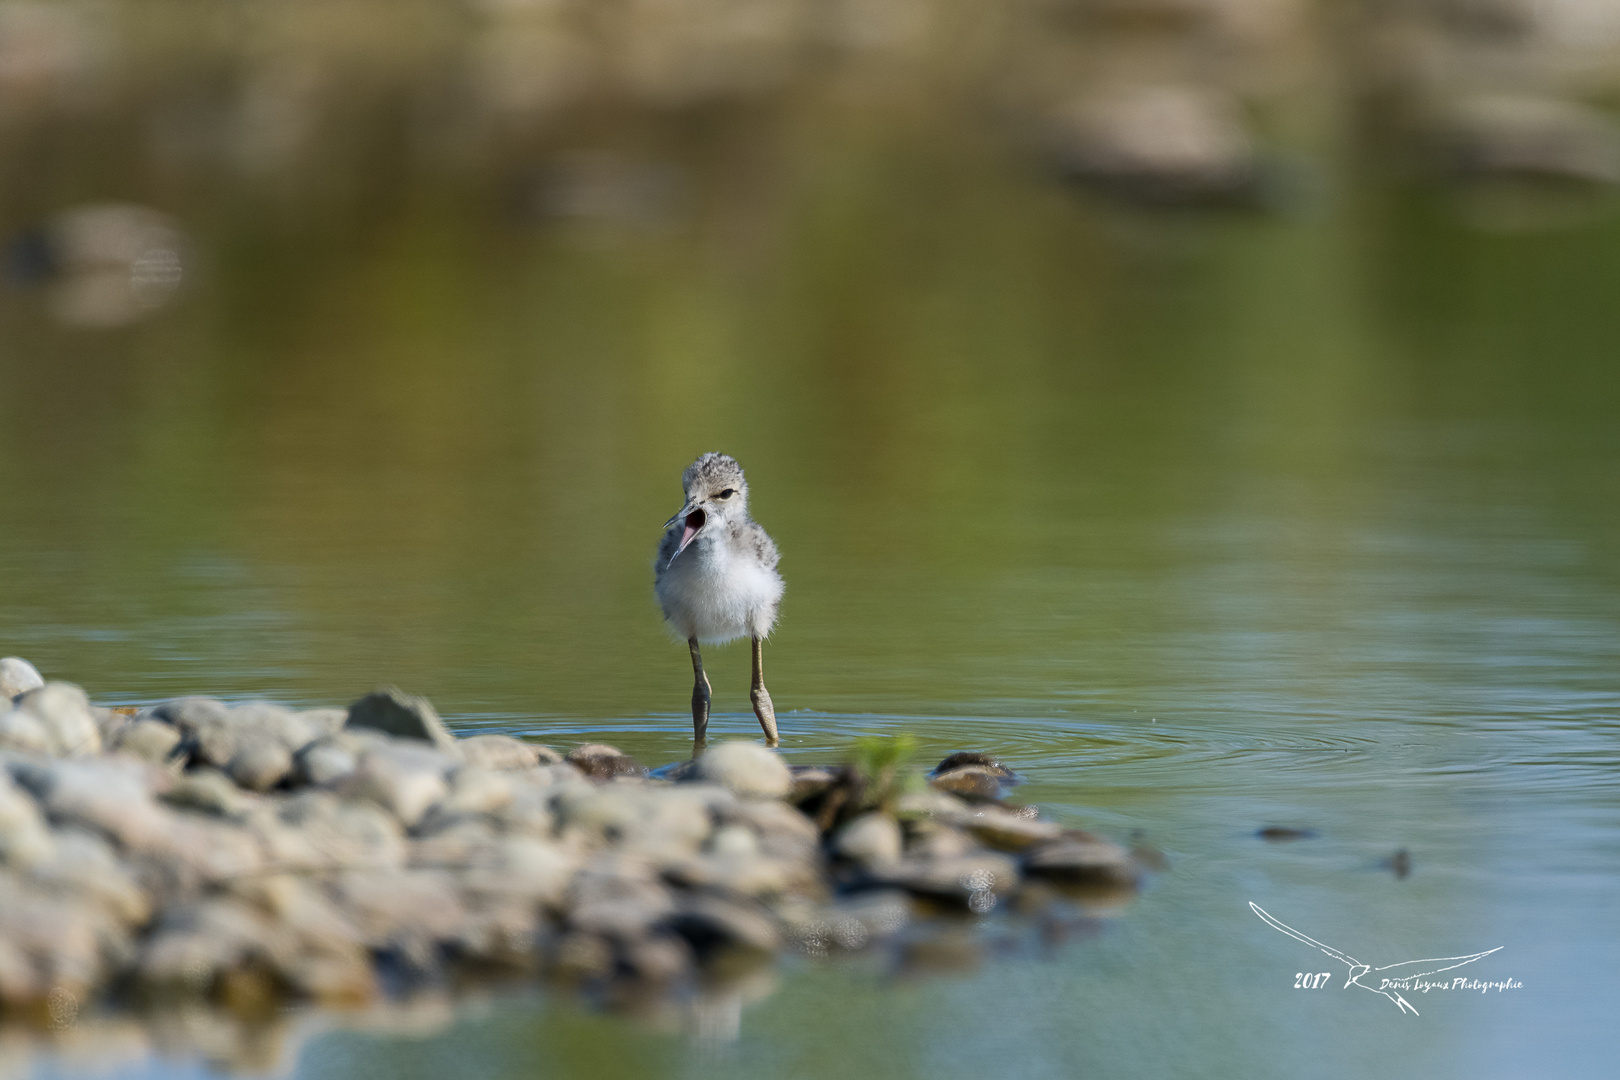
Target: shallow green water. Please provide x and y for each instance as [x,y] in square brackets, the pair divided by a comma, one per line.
[1204,524]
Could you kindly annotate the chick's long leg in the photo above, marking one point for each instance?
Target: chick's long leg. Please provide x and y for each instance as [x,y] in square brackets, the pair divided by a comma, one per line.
[700,697]
[762,697]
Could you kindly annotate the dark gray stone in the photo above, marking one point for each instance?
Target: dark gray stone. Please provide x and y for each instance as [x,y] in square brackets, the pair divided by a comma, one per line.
[403,716]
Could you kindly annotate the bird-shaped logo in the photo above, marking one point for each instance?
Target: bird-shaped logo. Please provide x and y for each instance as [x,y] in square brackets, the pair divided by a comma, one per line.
[1403,972]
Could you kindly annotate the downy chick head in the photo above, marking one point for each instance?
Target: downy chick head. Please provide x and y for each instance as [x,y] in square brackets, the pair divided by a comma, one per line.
[716,496]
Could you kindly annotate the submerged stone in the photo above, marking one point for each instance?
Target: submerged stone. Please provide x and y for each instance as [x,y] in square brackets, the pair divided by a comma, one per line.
[602,762]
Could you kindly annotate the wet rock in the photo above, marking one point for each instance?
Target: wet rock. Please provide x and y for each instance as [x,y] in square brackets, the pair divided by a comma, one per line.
[976,783]
[1008,831]
[63,711]
[1524,135]
[871,840]
[17,676]
[260,763]
[149,740]
[747,769]
[1080,859]
[602,762]
[1282,834]
[725,932]
[503,753]
[403,716]
[810,782]
[974,882]
[932,839]
[1157,143]
[973,757]
[935,805]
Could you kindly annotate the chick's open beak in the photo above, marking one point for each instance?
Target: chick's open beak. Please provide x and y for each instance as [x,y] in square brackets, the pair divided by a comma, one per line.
[693,519]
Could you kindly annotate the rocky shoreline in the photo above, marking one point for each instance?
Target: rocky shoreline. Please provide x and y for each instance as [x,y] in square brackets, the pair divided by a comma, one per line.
[251,857]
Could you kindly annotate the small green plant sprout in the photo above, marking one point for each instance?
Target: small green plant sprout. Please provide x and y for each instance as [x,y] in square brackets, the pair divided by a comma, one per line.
[884,765]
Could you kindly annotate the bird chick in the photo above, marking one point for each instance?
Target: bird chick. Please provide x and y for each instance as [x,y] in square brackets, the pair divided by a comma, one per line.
[716,579]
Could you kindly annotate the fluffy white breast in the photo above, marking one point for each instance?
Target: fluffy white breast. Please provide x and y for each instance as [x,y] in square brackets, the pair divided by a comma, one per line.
[716,593]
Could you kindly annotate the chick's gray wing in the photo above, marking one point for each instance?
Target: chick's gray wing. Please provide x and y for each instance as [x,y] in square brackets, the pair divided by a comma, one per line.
[763,546]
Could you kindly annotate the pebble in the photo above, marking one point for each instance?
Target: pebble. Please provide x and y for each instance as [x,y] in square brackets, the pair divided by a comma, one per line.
[18,676]
[871,840]
[976,783]
[63,711]
[397,781]
[209,791]
[748,770]
[261,762]
[602,762]
[1007,831]
[261,720]
[503,753]
[810,782]
[402,715]
[150,740]
[1078,858]
[328,760]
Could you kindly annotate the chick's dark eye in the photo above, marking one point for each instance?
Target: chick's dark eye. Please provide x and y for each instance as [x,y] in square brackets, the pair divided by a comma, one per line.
[728,493]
